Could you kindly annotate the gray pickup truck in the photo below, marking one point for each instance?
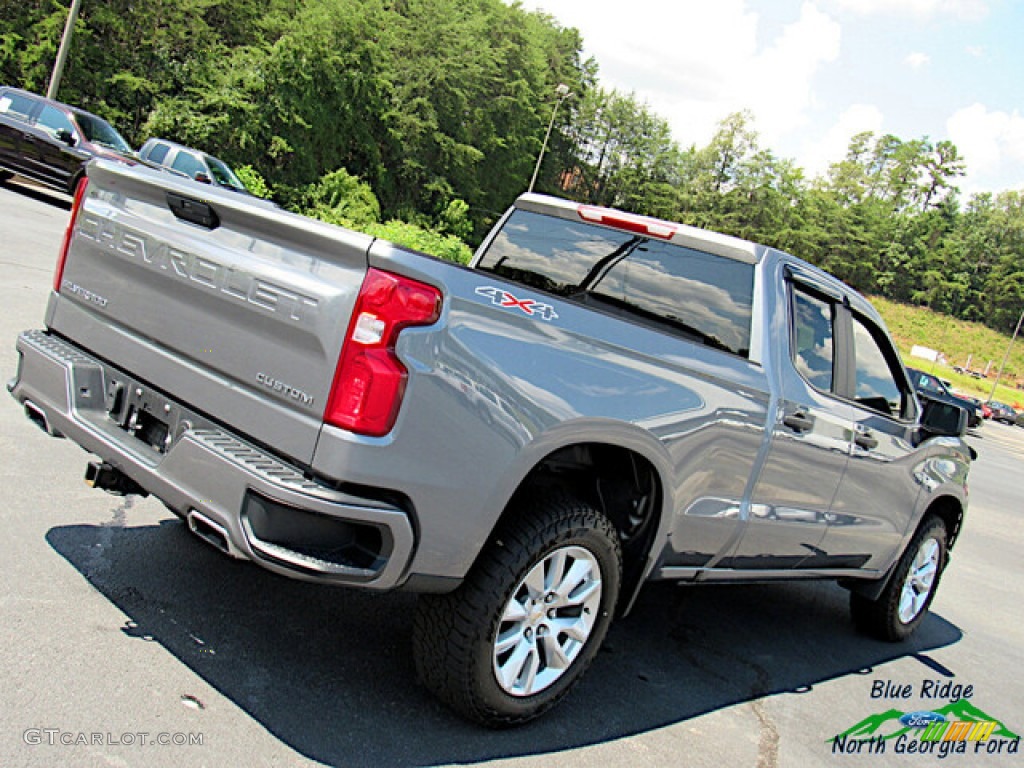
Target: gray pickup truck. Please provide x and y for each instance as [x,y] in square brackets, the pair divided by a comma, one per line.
[599,400]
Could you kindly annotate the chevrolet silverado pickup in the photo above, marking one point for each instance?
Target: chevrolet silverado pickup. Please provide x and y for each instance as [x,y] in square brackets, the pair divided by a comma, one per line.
[597,401]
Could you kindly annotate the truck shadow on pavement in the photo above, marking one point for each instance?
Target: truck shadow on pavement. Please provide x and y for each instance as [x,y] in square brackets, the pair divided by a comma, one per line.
[329,671]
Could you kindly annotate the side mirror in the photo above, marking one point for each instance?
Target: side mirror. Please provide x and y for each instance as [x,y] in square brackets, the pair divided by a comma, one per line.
[940,419]
[66,136]
[202,178]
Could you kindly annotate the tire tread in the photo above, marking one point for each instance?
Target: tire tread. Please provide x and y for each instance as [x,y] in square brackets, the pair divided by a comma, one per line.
[880,618]
[448,629]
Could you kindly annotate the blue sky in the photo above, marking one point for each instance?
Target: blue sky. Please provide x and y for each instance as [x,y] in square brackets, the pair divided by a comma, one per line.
[815,73]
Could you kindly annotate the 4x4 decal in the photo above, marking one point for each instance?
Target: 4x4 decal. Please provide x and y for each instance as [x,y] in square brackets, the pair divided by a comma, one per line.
[503,298]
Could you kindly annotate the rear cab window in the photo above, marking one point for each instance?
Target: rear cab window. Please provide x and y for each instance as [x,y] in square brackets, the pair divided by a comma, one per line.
[697,295]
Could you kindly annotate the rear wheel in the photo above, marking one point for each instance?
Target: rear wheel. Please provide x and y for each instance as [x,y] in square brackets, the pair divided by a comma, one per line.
[510,642]
[903,604]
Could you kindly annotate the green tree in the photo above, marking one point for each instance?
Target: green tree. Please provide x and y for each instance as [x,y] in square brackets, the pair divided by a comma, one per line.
[437,110]
[341,198]
[623,155]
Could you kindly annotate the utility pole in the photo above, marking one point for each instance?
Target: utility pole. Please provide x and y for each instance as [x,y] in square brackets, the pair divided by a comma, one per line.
[563,93]
[1006,357]
[62,53]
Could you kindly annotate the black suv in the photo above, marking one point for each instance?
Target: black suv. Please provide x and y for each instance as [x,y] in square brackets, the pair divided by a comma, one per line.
[932,387]
[50,142]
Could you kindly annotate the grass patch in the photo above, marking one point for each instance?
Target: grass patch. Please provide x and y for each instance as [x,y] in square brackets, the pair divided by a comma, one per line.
[959,341]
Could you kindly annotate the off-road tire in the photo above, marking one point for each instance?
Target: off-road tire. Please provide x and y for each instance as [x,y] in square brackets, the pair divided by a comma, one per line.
[455,634]
[881,618]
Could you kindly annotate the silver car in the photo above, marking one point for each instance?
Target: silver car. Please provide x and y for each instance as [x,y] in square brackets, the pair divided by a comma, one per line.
[193,163]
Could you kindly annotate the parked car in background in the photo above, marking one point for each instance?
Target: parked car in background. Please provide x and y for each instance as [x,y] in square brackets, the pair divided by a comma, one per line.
[50,142]
[194,163]
[986,412]
[1002,412]
[932,387]
[969,372]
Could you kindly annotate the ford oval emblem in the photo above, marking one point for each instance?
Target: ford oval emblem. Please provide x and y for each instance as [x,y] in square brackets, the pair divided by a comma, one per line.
[921,719]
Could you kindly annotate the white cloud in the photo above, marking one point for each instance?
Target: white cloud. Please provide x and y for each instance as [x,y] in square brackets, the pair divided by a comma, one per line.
[855,119]
[989,141]
[967,10]
[918,60]
[696,63]
[779,81]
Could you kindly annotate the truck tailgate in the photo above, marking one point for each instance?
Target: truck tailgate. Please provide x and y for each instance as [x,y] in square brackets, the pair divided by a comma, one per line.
[226,303]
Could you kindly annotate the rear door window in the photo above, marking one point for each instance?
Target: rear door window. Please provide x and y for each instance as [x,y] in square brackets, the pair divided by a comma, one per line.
[931,384]
[186,163]
[158,152]
[813,339]
[18,106]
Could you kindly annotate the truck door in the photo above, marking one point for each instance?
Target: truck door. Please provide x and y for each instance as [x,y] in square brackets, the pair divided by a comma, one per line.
[810,444]
[58,158]
[875,502]
[16,111]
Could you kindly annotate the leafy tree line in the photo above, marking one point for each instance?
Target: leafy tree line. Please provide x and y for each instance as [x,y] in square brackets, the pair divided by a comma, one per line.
[427,101]
[432,113]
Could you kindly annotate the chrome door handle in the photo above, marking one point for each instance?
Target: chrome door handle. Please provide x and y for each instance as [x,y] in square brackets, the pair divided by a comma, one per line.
[798,420]
[866,440]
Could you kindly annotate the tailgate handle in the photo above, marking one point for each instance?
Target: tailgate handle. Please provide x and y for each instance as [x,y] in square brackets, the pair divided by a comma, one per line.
[193,211]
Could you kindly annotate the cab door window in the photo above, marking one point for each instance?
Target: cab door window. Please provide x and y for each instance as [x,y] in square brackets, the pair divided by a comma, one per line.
[877,386]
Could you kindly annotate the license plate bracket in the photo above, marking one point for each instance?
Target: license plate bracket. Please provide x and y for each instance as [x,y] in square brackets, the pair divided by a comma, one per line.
[143,413]
[149,429]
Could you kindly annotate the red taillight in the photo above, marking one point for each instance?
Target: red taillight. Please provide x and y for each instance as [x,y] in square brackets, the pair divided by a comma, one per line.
[641,225]
[370,380]
[62,257]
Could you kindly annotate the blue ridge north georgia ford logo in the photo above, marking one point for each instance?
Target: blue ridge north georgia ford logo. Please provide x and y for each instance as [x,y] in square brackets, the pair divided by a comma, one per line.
[956,728]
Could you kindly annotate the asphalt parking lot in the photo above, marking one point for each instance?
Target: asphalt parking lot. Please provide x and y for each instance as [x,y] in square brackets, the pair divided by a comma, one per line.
[119,629]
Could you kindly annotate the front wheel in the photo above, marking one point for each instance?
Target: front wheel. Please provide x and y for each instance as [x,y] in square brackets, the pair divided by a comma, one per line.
[520,631]
[903,604]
